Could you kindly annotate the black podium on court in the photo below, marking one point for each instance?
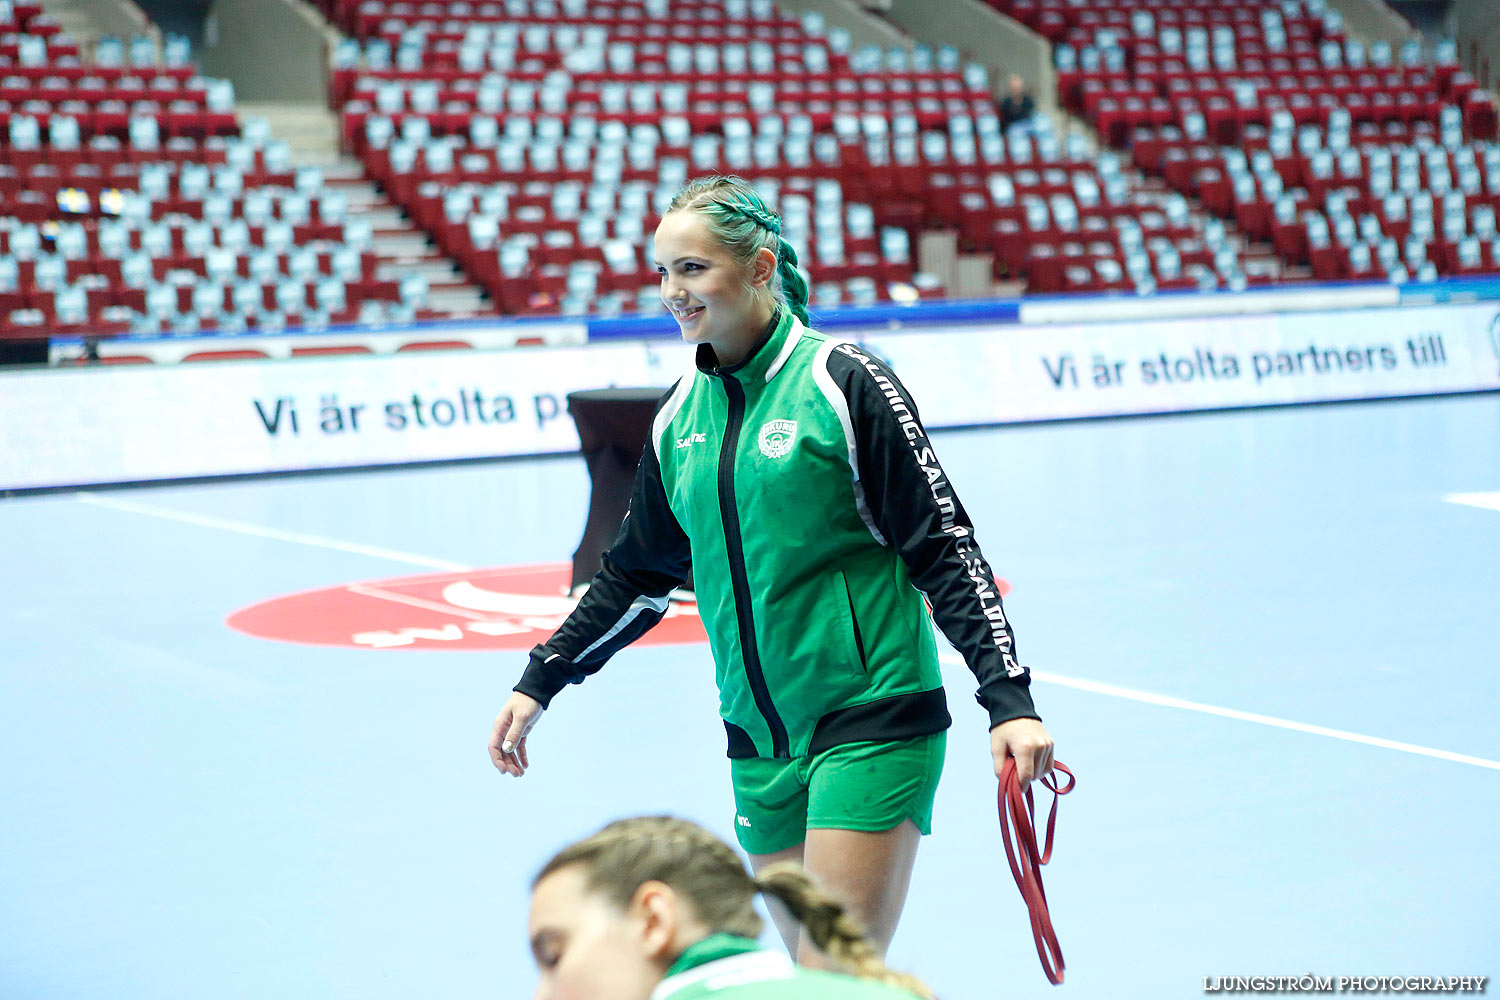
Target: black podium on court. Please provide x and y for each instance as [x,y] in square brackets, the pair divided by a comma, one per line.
[613,427]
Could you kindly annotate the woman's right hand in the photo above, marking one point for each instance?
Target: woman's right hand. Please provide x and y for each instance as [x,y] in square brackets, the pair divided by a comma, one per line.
[508,737]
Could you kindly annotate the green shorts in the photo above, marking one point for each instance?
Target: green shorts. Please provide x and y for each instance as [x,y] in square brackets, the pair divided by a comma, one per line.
[858,786]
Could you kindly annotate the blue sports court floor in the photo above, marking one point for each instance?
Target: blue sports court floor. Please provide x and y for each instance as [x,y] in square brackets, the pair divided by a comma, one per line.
[1265,641]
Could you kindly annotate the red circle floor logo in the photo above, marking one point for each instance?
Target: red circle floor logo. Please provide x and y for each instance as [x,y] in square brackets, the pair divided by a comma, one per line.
[510,607]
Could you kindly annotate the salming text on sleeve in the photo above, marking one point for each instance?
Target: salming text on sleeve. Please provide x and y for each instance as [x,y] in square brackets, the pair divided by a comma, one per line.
[913,506]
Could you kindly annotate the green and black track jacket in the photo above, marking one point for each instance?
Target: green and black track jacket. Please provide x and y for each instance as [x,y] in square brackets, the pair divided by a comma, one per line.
[801,488]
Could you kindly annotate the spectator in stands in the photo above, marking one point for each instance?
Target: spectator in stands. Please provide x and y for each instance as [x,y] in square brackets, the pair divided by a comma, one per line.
[1017,105]
[793,473]
[656,906]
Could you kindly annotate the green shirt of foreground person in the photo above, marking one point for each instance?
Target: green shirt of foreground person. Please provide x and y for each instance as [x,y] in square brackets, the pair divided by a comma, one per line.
[728,967]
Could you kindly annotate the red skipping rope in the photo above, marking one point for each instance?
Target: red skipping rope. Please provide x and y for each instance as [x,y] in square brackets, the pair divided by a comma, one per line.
[1018,809]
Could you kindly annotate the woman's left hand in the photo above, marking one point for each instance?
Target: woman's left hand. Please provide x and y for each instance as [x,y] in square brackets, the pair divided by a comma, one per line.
[1027,741]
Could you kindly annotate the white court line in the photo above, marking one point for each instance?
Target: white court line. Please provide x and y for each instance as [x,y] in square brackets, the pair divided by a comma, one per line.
[1115,691]
[1097,687]
[416,602]
[1488,501]
[261,531]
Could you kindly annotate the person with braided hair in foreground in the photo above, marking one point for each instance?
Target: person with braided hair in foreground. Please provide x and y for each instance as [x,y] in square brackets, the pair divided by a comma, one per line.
[791,472]
[659,907]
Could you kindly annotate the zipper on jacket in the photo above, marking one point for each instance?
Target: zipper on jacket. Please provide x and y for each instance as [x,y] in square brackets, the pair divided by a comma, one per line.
[730,512]
[859,640]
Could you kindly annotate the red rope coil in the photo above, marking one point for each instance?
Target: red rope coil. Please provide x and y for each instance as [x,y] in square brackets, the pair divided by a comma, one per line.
[1018,810]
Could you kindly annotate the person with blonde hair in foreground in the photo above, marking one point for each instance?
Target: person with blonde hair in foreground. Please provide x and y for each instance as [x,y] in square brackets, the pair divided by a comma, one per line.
[657,907]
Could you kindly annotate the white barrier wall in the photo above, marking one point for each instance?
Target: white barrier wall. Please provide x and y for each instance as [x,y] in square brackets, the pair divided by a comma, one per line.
[1016,374]
[69,427]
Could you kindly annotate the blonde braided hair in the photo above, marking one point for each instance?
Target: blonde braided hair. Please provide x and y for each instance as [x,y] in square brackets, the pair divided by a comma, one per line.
[703,869]
[741,220]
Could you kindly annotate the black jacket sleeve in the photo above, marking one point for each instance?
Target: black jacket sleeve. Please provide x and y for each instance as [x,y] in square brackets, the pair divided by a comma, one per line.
[649,558]
[913,506]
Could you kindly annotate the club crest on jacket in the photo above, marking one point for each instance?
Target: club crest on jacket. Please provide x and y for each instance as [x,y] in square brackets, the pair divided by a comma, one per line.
[776,438]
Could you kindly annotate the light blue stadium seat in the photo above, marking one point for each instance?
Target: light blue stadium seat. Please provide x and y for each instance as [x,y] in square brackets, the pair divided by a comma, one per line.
[114,240]
[231,322]
[1360,257]
[490,97]
[372,312]
[142,51]
[291,297]
[70,305]
[331,295]
[302,264]
[109,51]
[145,133]
[378,54]
[409,57]
[136,269]
[256,208]
[413,290]
[32,50]
[63,132]
[484,231]
[277,156]
[1345,231]
[458,203]
[1415,252]
[176,50]
[471,57]
[255,131]
[422,96]
[156,240]
[295,208]
[333,207]
[1388,254]
[235,235]
[51,272]
[197,238]
[403,157]
[346,54]
[271,321]
[71,241]
[346,264]
[208,300]
[161,300]
[221,265]
[218,208]
[484,131]
[359,233]
[438,155]
[247,297]
[25,132]
[308,181]
[264,266]
[278,236]
[1482,219]
[379,132]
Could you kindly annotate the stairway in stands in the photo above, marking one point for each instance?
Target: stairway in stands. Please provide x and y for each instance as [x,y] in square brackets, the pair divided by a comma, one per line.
[311,130]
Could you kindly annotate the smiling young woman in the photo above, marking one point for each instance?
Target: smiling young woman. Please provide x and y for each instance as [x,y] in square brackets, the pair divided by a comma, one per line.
[721,263]
[792,473]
